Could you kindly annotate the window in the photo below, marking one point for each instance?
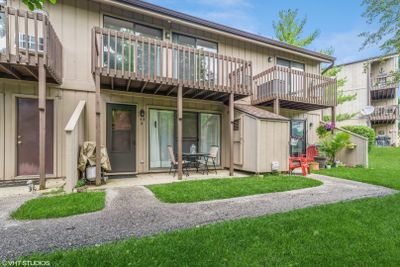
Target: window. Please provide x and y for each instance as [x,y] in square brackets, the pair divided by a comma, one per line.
[143,65]
[185,63]
[290,64]
[31,42]
[293,83]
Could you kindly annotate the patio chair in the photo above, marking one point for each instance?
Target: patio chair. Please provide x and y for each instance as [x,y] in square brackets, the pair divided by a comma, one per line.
[210,159]
[174,163]
[311,152]
[298,162]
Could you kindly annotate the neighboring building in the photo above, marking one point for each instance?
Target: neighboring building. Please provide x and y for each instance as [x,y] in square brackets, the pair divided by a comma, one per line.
[373,82]
[136,78]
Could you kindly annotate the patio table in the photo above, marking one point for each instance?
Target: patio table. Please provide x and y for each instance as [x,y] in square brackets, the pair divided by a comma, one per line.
[194,159]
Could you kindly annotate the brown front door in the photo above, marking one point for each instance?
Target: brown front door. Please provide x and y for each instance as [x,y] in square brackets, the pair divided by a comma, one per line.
[28,136]
[121,137]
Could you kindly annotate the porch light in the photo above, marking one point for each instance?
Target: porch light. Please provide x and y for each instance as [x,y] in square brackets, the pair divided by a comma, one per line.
[141,113]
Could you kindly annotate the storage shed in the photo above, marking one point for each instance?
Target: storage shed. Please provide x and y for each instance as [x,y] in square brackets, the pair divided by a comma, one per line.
[261,140]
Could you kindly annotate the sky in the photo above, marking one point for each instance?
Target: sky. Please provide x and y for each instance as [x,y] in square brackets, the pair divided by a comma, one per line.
[339,21]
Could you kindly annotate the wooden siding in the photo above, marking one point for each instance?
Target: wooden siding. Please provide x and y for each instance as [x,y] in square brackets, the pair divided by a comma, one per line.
[263,142]
[19,60]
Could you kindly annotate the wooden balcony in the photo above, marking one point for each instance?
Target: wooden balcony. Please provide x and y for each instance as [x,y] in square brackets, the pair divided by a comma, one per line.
[384,87]
[132,63]
[295,89]
[384,115]
[27,38]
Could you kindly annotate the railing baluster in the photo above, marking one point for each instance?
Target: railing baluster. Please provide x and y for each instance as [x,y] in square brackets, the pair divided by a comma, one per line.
[108,51]
[26,37]
[115,52]
[17,35]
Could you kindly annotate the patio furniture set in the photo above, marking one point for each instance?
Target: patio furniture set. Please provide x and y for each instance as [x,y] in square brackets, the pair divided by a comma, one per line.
[195,161]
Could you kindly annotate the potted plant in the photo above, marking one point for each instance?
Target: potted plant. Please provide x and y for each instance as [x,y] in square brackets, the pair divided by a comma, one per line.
[332,144]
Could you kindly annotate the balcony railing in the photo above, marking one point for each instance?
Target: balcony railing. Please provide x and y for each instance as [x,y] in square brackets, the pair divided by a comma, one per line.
[295,89]
[384,87]
[384,114]
[126,56]
[25,38]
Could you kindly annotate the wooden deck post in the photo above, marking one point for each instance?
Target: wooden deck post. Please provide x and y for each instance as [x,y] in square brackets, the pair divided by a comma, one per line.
[276,106]
[98,128]
[42,123]
[334,116]
[179,129]
[231,119]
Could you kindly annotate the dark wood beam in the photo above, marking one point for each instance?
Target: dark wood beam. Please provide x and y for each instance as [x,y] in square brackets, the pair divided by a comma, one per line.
[188,91]
[128,84]
[10,71]
[144,86]
[31,72]
[210,95]
[158,88]
[173,89]
[199,93]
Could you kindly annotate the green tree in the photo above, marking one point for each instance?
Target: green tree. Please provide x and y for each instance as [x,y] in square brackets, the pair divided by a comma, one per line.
[341,96]
[37,4]
[386,13]
[289,29]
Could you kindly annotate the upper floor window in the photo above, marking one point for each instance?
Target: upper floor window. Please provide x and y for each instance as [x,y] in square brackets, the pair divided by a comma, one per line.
[290,64]
[195,42]
[131,27]
[145,56]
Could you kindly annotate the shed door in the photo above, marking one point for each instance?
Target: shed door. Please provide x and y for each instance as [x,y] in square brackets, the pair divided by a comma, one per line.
[238,128]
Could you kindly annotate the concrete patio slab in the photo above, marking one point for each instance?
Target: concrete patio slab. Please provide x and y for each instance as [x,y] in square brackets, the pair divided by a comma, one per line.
[134,211]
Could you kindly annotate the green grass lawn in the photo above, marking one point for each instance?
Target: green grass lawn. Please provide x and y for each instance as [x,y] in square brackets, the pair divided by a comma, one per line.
[384,169]
[60,206]
[358,233]
[201,190]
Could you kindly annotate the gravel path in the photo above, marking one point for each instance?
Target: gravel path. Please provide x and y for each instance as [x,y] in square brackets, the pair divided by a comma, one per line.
[135,211]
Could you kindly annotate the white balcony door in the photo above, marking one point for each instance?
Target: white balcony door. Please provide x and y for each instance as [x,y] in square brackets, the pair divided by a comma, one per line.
[293,82]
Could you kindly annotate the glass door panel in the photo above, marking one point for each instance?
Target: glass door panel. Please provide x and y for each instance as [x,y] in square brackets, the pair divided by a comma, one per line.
[190,131]
[210,132]
[297,137]
[162,134]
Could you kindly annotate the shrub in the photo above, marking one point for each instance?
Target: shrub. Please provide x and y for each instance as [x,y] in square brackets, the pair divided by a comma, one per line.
[363,131]
[332,144]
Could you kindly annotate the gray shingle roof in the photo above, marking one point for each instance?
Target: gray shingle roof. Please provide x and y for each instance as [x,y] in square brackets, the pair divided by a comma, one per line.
[258,112]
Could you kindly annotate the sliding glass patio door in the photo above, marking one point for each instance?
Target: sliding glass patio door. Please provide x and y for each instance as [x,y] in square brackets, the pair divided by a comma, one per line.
[200,129]
[162,134]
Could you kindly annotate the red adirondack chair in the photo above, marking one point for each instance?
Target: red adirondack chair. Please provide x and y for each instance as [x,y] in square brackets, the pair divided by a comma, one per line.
[299,162]
[311,152]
